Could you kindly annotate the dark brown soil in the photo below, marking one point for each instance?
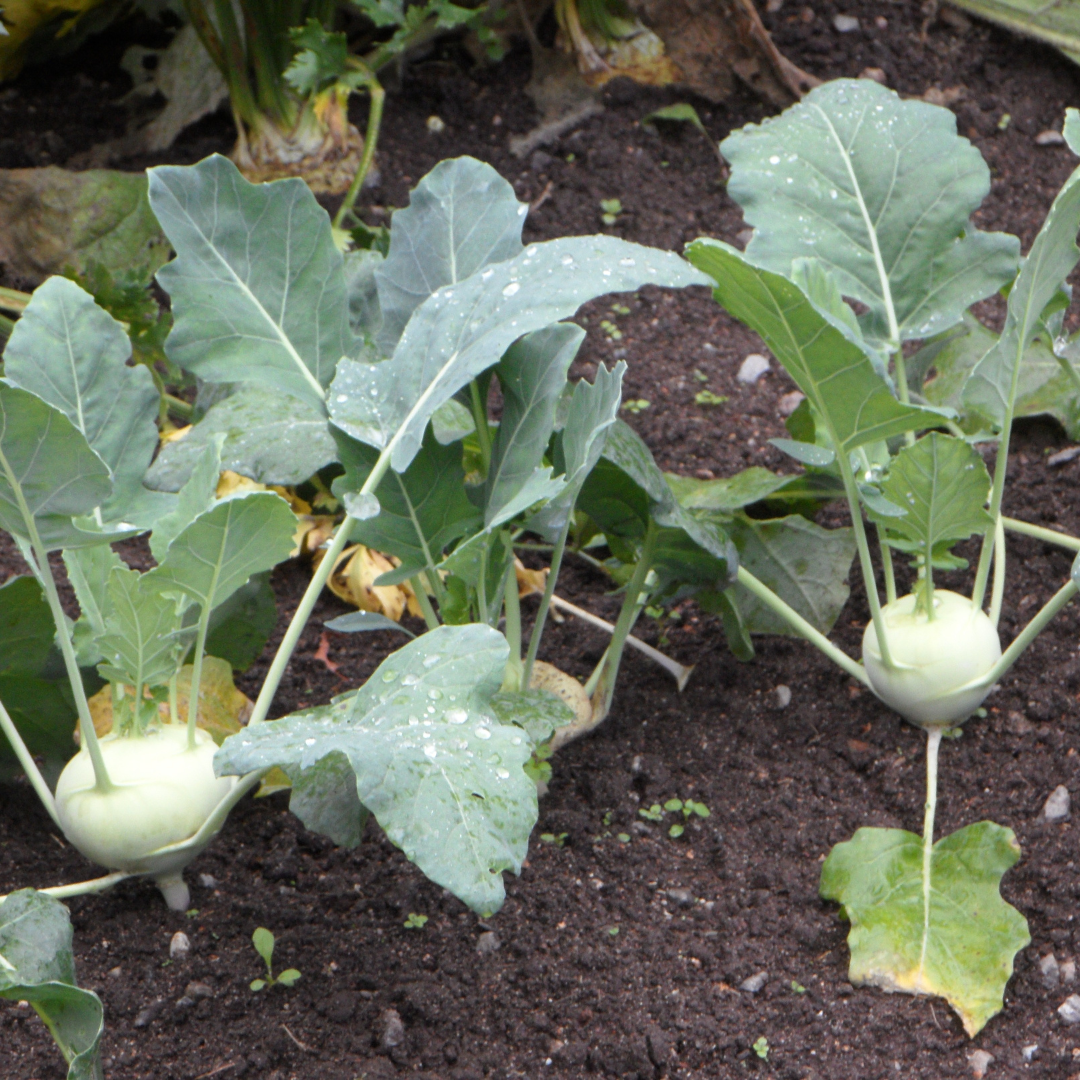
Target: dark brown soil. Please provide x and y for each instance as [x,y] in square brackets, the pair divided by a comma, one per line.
[563,995]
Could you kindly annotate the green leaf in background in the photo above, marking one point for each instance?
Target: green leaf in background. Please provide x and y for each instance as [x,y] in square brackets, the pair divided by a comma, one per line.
[679,113]
[823,357]
[880,189]
[36,965]
[444,778]
[257,285]
[540,712]
[943,485]
[532,376]
[220,550]
[993,384]
[33,685]
[53,219]
[271,437]
[324,798]
[88,571]
[241,626]
[197,495]
[728,493]
[961,947]
[463,329]
[365,316]
[47,471]
[424,508]
[461,216]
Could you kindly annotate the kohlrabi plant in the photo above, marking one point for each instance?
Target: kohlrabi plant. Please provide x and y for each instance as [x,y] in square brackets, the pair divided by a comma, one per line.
[856,195]
[381,370]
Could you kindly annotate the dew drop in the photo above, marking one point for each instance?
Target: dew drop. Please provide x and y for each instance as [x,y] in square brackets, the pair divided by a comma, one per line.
[482,733]
[775,159]
[308,742]
[455,716]
[486,274]
[410,680]
[389,676]
[430,751]
[512,288]
[502,774]
[414,721]
[567,260]
[627,262]
[432,660]
[434,694]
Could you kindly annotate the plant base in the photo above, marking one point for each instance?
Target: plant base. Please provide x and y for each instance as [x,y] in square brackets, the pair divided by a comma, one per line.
[328,167]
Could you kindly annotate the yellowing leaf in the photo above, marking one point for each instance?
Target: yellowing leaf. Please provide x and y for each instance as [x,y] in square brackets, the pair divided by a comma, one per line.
[25,18]
[174,434]
[529,582]
[353,580]
[565,687]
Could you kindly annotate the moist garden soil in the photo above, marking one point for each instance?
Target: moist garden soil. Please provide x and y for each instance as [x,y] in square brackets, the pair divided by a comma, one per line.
[613,956]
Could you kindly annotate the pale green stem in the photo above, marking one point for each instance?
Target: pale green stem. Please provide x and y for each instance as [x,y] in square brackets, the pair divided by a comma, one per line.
[483,432]
[62,1044]
[928,579]
[512,680]
[371,137]
[545,601]
[593,681]
[481,585]
[174,706]
[422,598]
[1051,536]
[196,674]
[83,888]
[998,593]
[900,369]
[801,626]
[26,760]
[887,566]
[933,743]
[1069,370]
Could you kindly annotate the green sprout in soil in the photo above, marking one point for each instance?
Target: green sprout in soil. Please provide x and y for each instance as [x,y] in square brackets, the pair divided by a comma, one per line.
[263,941]
[638,405]
[415,922]
[611,209]
[707,397]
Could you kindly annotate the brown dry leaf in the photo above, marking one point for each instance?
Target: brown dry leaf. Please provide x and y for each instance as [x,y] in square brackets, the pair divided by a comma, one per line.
[223,709]
[311,529]
[175,434]
[529,582]
[353,580]
[322,653]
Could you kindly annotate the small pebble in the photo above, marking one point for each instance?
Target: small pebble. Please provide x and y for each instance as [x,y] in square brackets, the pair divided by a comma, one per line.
[1068,972]
[790,402]
[753,367]
[1050,138]
[682,897]
[744,236]
[488,943]
[845,23]
[436,125]
[980,1061]
[197,990]
[1048,969]
[874,73]
[391,1029]
[641,828]
[755,983]
[208,881]
[1057,805]
[782,695]
[1030,1053]
[148,1015]
[180,945]
[116,972]
[1018,724]
[1069,1009]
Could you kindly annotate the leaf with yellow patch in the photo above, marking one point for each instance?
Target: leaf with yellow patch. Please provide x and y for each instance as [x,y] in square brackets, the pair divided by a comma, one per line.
[955,939]
[353,580]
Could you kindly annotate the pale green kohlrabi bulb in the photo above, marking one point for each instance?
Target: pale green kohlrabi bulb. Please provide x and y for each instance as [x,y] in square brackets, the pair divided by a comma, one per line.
[934,659]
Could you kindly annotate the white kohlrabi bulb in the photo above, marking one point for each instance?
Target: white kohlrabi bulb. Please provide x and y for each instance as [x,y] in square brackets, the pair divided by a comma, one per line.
[163,794]
[933,658]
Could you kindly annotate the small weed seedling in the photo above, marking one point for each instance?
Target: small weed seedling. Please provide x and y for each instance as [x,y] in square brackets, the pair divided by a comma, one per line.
[610,211]
[558,839]
[687,807]
[707,397]
[761,1047]
[415,922]
[263,941]
[611,330]
[637,405]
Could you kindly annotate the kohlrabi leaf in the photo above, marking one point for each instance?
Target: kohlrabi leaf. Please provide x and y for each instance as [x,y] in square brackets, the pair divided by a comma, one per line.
[540,712]
[993,385]
[195,497]
[33,685]
[37,965]
[805,565]
[728,493]
[424,508]
[224,546]
[257,285]
[324,798]
[952,936]
[360,622]
[142,644]
[241,626]
[443,777]
[88,570]
[725,604]
[48,471]
[943,485]
[821,355]
[532,375]
[593,409]
[271,437]
[881,190]
[461,216]
[463,329]
[365,316]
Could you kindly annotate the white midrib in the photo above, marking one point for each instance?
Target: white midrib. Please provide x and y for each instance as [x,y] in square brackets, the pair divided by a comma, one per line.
[879,262]
[242,286]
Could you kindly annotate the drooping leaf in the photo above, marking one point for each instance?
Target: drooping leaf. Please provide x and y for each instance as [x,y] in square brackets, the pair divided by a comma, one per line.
[270,437]
[424,509]
[38,966]
[822,355]
[463,329]
[881,190]
[461,216]
[728,493]
[257,285]
[221,549]
[943,485]
[324,798]
[532,376]
[72,354]
[540,712]
[363,621]
[993,384]
[952,937]
[443,777]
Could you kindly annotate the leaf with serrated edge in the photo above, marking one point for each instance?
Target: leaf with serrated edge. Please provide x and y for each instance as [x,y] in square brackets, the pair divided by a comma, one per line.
[820,354]
[994,382]
[457,801]
[463,329]
[880,189]
[257,286]
[38,966]
[461,216]
[943,485]
[964,951]
[195,498]
[224,546]
[269,436]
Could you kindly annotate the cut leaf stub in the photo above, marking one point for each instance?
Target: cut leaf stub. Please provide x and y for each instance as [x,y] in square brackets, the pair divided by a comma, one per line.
[955,940]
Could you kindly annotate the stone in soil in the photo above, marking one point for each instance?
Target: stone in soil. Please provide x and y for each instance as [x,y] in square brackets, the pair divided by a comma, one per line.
[755,983]
[980,1061]
[753,367]
[1069,1009]
[1057,805]
[1048,969]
